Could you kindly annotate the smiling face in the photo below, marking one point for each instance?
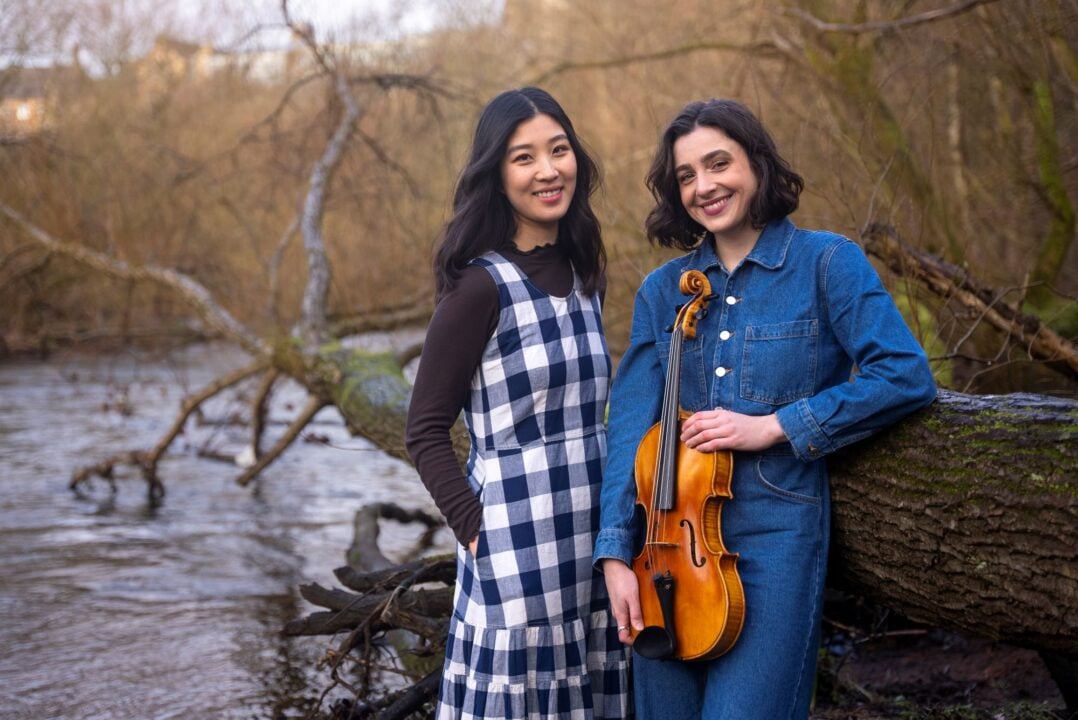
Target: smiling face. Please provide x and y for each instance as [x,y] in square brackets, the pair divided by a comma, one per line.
[717,186]
[539,179]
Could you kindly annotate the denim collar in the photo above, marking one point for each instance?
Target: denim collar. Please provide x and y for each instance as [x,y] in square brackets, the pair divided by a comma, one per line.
[769,251]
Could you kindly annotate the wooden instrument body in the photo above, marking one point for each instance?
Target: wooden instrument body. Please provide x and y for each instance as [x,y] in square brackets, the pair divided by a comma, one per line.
[709,614]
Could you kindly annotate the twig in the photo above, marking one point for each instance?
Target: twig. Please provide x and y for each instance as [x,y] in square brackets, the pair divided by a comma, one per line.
[313,406]
[258,411]
[192,403]
[275,269]
[888,25]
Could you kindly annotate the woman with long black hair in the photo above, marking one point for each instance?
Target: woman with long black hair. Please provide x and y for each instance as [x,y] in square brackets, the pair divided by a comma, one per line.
[516,342]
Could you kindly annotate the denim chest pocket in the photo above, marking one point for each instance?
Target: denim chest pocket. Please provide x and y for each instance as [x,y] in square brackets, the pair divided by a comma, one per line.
[693,392]
[779,361]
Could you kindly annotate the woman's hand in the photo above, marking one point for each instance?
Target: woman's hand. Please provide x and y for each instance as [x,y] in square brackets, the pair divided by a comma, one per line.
[624,594]
[711,430]
[473,545]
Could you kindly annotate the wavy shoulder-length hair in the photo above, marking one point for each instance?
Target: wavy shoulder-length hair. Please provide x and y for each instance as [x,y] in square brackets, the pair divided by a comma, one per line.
[483,220]
[778,186]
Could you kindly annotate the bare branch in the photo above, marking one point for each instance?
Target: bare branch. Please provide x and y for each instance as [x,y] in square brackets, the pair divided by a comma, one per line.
[364,554]
[189,290]
[408,354]
[1040,341]
[147,460]
[275,269]
[313,322]
[317,291]
[293,431]
[758,49]
[416,312]
[888,25]
[385,159]
[259,409]
[192,403]
[275,114]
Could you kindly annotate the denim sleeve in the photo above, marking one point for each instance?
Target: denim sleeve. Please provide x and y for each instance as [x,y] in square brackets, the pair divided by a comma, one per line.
[635,401]
[893,378]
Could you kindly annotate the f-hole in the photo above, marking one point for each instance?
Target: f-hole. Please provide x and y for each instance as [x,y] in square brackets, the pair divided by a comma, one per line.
[698,562]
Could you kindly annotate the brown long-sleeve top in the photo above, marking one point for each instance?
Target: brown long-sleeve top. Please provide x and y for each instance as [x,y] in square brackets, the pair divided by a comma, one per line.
[464,320]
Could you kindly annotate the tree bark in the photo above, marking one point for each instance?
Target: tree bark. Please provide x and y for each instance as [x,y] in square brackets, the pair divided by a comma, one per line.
[963,516]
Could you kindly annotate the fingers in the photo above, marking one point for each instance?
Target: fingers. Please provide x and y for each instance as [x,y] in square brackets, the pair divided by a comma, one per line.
[711,445]
[627,634]
[624,599]
[713,430]
[708,426]
[636,615]
[473,545]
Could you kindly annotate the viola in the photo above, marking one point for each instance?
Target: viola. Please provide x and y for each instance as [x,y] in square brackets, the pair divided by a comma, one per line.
[690,593]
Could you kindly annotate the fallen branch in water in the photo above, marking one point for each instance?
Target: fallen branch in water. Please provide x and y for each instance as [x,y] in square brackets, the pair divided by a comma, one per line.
[148,460]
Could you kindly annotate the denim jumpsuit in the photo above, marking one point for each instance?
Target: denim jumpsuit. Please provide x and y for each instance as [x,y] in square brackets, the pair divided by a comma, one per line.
[782,336]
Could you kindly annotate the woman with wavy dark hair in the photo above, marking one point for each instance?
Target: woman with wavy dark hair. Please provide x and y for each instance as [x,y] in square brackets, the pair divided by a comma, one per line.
[516,342]
[769,376]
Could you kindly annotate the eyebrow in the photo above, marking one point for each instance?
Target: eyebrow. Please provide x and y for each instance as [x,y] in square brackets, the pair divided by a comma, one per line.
[708,157]
[526,146]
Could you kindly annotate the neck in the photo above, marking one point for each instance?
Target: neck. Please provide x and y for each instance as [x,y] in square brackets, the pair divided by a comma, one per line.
[732,249]
[530,236]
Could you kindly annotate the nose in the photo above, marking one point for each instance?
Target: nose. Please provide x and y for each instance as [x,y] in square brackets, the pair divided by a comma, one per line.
[546,169]
[704,185]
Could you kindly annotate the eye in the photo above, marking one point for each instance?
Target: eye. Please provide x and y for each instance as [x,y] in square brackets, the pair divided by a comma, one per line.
[719,164]
[684,178]
[561,149]
[520,158]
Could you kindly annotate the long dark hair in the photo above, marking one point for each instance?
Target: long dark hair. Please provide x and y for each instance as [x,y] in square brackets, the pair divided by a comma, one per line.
[483,219]
[778,186]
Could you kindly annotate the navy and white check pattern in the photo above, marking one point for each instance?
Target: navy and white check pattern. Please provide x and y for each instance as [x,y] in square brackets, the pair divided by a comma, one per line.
[531,635]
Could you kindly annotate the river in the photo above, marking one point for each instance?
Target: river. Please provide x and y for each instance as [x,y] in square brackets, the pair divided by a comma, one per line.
[115,609]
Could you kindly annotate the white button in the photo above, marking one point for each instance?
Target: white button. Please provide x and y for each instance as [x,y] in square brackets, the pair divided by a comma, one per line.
[721,372]
[724,335]
[731,300]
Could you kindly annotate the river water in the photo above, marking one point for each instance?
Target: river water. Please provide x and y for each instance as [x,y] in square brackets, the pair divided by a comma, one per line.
[114,609]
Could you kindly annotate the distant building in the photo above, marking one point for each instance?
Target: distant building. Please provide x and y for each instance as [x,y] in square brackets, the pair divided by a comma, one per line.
[28,99]
[171,61]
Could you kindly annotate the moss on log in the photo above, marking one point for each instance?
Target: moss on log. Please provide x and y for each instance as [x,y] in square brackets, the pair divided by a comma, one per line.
[964,516]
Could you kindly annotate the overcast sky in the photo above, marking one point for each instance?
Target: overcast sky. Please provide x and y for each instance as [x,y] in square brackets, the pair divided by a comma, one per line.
[360,19]
[115,30]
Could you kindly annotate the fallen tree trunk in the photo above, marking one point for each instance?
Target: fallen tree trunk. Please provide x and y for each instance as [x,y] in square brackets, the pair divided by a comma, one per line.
[962,516]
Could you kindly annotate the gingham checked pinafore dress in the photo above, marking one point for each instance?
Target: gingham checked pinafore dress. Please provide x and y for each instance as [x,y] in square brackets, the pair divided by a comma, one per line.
[531,634]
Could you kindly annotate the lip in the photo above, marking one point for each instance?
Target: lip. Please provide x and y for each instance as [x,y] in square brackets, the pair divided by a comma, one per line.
[554,197]
[715,206]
